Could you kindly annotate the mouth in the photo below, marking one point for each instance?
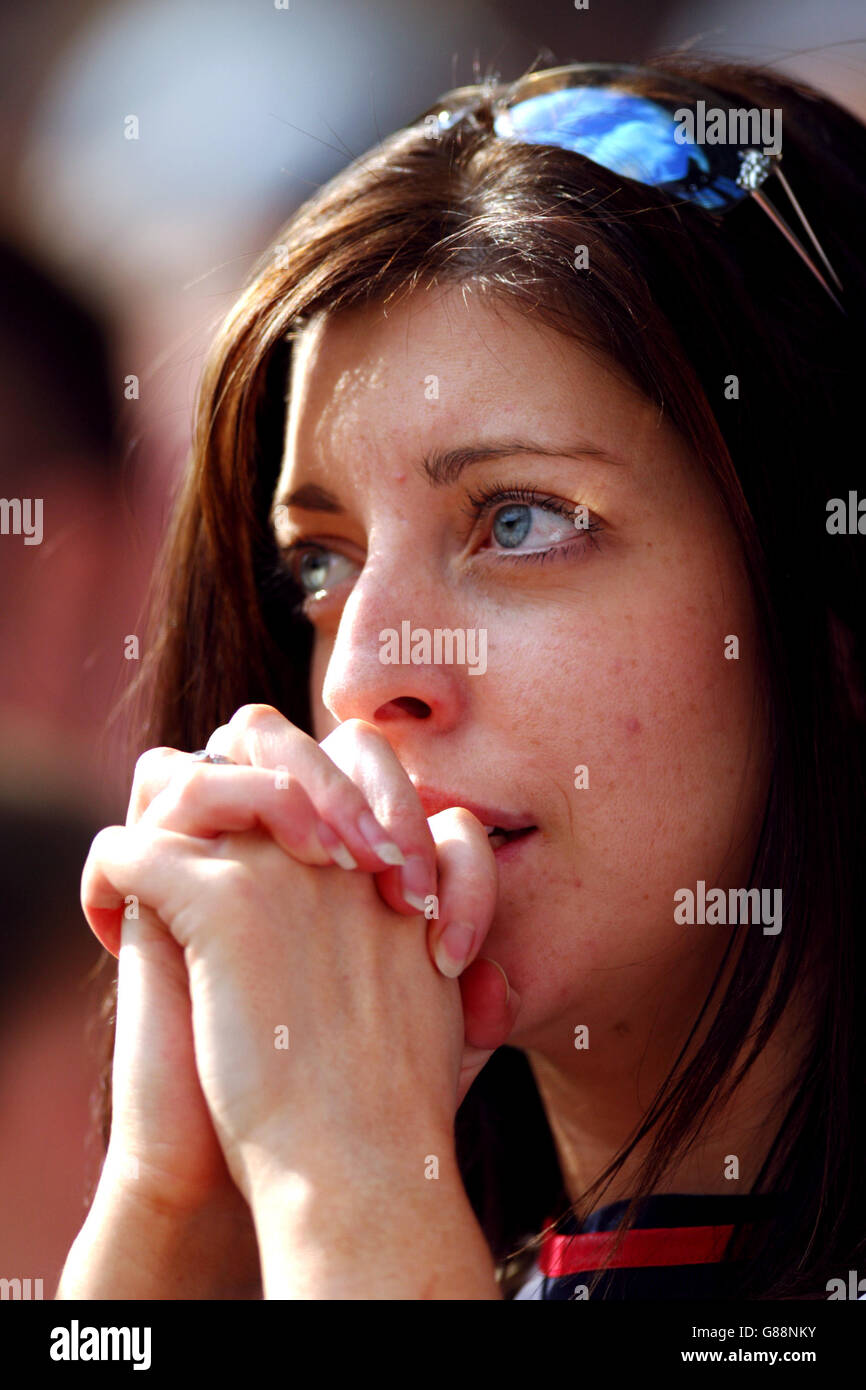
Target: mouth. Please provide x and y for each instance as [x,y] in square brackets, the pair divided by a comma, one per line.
[505,829]
[498,837]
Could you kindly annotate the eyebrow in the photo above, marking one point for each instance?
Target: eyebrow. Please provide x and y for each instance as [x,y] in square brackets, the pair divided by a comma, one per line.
[443,467]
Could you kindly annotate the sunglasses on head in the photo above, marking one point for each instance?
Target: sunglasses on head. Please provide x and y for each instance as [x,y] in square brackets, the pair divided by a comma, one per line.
[641,124]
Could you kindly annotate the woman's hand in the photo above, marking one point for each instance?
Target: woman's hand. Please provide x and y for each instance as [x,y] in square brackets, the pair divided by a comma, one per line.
[167,1220]
[165,1170]
[349,793]
[328,1048]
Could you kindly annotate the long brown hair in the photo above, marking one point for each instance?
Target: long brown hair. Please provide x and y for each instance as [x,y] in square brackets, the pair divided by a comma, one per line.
[679,303]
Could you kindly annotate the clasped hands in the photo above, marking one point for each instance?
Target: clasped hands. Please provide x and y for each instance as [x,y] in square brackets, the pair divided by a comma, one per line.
[286,1037]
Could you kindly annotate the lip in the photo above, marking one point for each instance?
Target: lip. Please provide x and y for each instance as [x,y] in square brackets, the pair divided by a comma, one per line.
[434,800]
[510,849]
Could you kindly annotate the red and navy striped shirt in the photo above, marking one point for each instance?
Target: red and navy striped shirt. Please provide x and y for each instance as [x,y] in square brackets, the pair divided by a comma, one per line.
[674,1249]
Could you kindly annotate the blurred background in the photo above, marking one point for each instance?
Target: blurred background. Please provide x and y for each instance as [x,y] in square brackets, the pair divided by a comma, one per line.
[118,259]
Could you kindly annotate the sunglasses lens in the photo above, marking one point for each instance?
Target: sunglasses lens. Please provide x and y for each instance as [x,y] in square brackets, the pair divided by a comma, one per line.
[628,134]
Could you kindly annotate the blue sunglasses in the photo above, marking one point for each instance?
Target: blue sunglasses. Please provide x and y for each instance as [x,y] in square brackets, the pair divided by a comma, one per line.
[641,124]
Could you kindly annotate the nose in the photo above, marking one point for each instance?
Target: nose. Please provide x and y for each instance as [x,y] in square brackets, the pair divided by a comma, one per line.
[391,616]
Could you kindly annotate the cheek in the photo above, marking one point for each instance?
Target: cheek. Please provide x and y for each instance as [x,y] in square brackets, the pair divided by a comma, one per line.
[676,786]
[673,736]
[323,721]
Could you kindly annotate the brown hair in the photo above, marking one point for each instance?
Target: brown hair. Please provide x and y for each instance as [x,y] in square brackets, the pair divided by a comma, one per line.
[679,302]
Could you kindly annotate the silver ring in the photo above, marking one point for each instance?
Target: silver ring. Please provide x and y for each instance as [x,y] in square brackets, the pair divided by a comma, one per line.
[203,756]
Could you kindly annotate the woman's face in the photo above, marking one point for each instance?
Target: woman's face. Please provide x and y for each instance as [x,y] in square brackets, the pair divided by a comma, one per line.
[595,606]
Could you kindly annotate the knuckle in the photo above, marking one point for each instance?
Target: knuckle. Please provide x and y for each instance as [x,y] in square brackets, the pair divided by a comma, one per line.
[148,763]
[180,791]
[263,731]
[231,880]
[250,717]
[103,842]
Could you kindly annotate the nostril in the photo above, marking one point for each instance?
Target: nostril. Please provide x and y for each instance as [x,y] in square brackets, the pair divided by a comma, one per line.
[404,704]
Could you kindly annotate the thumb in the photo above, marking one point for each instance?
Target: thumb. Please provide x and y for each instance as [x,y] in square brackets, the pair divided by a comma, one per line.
[490,1008]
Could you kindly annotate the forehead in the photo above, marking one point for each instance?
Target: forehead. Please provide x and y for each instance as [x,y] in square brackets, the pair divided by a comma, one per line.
[439,364]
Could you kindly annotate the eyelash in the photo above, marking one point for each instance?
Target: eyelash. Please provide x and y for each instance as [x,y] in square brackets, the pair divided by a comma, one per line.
[480,505]
[488,500]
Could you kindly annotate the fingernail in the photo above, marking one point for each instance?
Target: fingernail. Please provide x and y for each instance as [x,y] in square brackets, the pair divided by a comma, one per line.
[333,846]
[415,881]
[377,838]
[453,948]
[508,990]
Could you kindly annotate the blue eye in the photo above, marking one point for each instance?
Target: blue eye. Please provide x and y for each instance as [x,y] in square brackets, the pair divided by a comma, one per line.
[549,524]
[317,569]
[512,524]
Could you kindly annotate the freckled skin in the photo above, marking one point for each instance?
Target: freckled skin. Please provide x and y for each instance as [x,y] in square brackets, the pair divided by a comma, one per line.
[613,657]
